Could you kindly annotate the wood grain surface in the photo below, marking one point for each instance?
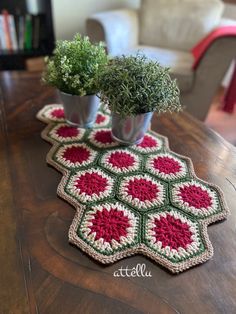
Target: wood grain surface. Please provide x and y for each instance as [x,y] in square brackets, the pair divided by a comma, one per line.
[42,273]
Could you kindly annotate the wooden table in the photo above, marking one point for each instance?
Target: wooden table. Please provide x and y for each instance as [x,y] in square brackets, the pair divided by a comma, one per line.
[42,273]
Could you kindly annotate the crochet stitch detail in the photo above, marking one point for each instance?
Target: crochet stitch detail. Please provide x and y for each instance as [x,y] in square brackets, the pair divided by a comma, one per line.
[67,131]
[100,118]
[195,196]
[76,154]
[139,199]
[121,160]
[172,232]
[58,113]
[109,225]
[103,137]
[91,183]
[166,165]
[142,189]
[147,142]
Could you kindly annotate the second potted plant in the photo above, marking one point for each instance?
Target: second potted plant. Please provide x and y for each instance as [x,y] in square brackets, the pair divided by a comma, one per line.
[134,87]
[73,70]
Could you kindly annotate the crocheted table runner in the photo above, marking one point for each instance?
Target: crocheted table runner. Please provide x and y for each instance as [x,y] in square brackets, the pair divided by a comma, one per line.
[131,199]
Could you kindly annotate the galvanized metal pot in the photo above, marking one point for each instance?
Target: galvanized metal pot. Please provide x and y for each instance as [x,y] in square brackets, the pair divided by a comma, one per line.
[80,111]
[130,130]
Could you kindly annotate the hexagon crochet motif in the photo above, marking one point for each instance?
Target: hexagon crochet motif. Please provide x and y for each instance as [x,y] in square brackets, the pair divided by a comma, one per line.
[139,199]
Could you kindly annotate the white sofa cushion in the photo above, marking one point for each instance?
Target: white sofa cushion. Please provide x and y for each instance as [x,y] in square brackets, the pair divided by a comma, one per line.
[177,24]
[179,62]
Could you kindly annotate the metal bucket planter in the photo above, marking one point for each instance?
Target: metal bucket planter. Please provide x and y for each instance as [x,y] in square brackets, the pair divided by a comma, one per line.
[130,130]
[80,111]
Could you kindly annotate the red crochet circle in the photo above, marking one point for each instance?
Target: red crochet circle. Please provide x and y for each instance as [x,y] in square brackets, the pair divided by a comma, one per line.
[109,225]
[76,154]
[91,183]
[142,189]
[58,113]
[100,118]
[172,232]
[195,196]
[103,136]
[148,142]
[67,131]
[166,165]
[121,160]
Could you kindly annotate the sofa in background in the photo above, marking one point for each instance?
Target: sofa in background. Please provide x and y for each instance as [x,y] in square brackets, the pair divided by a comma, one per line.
[167,31]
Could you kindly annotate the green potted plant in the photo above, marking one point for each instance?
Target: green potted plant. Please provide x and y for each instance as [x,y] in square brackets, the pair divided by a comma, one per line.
[73,70]
[134,87]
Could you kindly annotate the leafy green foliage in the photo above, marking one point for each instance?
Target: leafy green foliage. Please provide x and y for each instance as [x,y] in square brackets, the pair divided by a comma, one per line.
[75,65]
[131,85]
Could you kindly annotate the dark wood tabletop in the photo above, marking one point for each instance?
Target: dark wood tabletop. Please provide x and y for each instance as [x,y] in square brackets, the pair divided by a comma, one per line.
[42,273]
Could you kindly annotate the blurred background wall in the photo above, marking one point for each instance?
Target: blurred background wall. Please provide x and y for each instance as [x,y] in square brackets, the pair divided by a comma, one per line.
[70,15]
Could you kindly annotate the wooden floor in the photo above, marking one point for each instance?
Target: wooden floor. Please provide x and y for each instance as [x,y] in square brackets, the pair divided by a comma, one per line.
[221,121]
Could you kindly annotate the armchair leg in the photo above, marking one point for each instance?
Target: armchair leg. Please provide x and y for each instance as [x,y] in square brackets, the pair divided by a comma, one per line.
[197,104]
